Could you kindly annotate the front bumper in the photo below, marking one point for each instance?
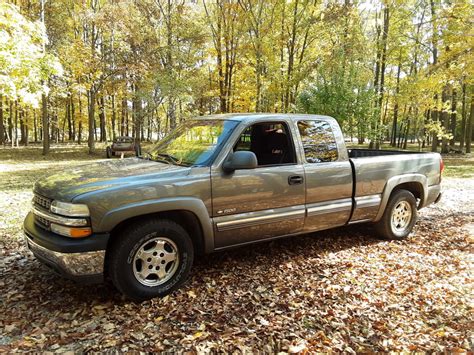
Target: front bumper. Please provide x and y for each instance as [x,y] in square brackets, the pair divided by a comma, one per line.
[77,259]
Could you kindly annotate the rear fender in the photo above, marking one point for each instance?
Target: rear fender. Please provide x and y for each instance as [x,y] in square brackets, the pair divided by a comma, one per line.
[395,181]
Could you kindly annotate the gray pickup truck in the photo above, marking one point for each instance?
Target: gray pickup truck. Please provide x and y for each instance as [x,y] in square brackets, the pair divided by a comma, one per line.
[218,182]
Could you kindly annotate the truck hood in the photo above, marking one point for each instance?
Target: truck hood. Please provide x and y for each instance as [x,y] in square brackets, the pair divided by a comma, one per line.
[70,183]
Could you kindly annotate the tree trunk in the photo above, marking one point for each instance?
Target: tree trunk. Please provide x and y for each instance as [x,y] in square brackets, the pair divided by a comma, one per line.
[171,112]
[26,131]
[137,114]
[452,127]
[69,118]
[113,116]
[469,125]
[463,120]
[10,121]
[395,108]
[405,142]
[91,120]
[2,127]
[63,129]
[79,128]
[45,123]
[386,26]
[22,126]
[35,126]
[123,116]
[434,41]
[73,119]
[15,142]
[435,140]
[102,119]
[445,122]
[291,57]
[402,127]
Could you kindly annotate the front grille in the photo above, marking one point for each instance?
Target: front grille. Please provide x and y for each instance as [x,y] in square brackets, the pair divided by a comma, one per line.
[42,222]
[41,201]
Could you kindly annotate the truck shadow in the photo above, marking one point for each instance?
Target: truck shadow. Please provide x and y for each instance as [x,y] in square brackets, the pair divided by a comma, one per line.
[306,245]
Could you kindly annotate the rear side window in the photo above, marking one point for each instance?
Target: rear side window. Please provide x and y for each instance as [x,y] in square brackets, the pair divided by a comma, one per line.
[318,141]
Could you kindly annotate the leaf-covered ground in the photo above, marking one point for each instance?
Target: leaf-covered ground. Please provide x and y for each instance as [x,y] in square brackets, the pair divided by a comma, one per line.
[341,290]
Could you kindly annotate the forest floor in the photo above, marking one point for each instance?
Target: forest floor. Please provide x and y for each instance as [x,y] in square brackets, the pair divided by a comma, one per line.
[341,290]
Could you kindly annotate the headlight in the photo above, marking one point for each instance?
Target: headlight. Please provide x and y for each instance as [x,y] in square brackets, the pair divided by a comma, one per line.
[69,209]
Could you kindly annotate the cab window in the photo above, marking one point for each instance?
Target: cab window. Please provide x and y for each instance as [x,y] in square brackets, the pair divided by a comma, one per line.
[271,143]
[318,139]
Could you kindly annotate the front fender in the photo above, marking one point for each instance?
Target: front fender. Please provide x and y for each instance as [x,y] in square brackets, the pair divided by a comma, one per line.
[117,215]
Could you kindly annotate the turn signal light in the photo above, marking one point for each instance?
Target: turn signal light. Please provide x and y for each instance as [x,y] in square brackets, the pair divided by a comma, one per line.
[80,232]
[71,231]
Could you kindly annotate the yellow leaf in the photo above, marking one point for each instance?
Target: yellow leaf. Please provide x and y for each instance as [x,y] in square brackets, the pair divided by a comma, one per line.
[197,335]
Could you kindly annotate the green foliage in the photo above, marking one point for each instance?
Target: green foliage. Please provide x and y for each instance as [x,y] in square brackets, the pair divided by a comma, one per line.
[25,65]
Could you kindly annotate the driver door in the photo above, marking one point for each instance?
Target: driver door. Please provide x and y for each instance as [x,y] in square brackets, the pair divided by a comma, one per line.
[260,203]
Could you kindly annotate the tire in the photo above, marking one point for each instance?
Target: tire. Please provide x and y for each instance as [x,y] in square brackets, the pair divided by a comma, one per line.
[108,152]
[137,150]
[141,264]
[399,217]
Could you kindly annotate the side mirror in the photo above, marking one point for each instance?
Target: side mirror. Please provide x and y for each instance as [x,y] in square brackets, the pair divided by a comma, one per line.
[240,160]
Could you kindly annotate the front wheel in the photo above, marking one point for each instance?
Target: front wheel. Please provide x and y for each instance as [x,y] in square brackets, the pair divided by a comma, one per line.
[150,259]
[399,217]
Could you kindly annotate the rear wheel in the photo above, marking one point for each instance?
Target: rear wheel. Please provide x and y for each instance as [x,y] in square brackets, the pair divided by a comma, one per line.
[150,259]
[399,217]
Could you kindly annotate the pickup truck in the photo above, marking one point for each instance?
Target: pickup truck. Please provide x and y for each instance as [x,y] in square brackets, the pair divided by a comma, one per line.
[218,182]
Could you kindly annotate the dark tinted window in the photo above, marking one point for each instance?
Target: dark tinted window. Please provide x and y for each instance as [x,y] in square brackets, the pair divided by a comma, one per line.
[318,141]
[269,141]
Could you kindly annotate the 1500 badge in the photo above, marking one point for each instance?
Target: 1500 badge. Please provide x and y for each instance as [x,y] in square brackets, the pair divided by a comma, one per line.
[227,210]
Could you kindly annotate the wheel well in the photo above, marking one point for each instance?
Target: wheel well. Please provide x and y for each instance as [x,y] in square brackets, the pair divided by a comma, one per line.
[188,220]
[414,187]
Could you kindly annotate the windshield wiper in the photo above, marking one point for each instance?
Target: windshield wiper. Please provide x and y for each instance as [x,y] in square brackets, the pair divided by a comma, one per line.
[171,158]
[148,156]
[166,158]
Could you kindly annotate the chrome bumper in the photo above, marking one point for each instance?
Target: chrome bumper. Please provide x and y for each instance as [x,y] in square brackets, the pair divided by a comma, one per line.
[78,266]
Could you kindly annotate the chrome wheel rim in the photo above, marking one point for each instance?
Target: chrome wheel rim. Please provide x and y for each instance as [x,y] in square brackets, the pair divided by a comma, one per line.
[401,216]
[155,261]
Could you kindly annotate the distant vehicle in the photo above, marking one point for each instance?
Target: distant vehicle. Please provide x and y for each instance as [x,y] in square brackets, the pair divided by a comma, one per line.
[121,145]
[219,182]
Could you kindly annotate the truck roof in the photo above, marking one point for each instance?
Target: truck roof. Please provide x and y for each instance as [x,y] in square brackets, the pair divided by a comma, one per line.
[244,117]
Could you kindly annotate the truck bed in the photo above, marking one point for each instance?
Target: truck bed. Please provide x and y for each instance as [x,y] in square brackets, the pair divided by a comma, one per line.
[361,153]
[372,169]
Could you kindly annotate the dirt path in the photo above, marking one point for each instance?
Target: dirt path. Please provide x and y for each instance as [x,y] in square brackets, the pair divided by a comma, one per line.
[338,290]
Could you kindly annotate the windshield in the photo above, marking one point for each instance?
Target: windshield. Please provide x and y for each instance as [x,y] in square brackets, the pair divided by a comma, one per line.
[192,143]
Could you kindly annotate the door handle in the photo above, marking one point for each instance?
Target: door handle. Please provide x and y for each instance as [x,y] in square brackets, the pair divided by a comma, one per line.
[295,180]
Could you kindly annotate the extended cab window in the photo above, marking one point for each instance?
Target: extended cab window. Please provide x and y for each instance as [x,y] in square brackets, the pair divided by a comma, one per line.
[270,142]
[318,141]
